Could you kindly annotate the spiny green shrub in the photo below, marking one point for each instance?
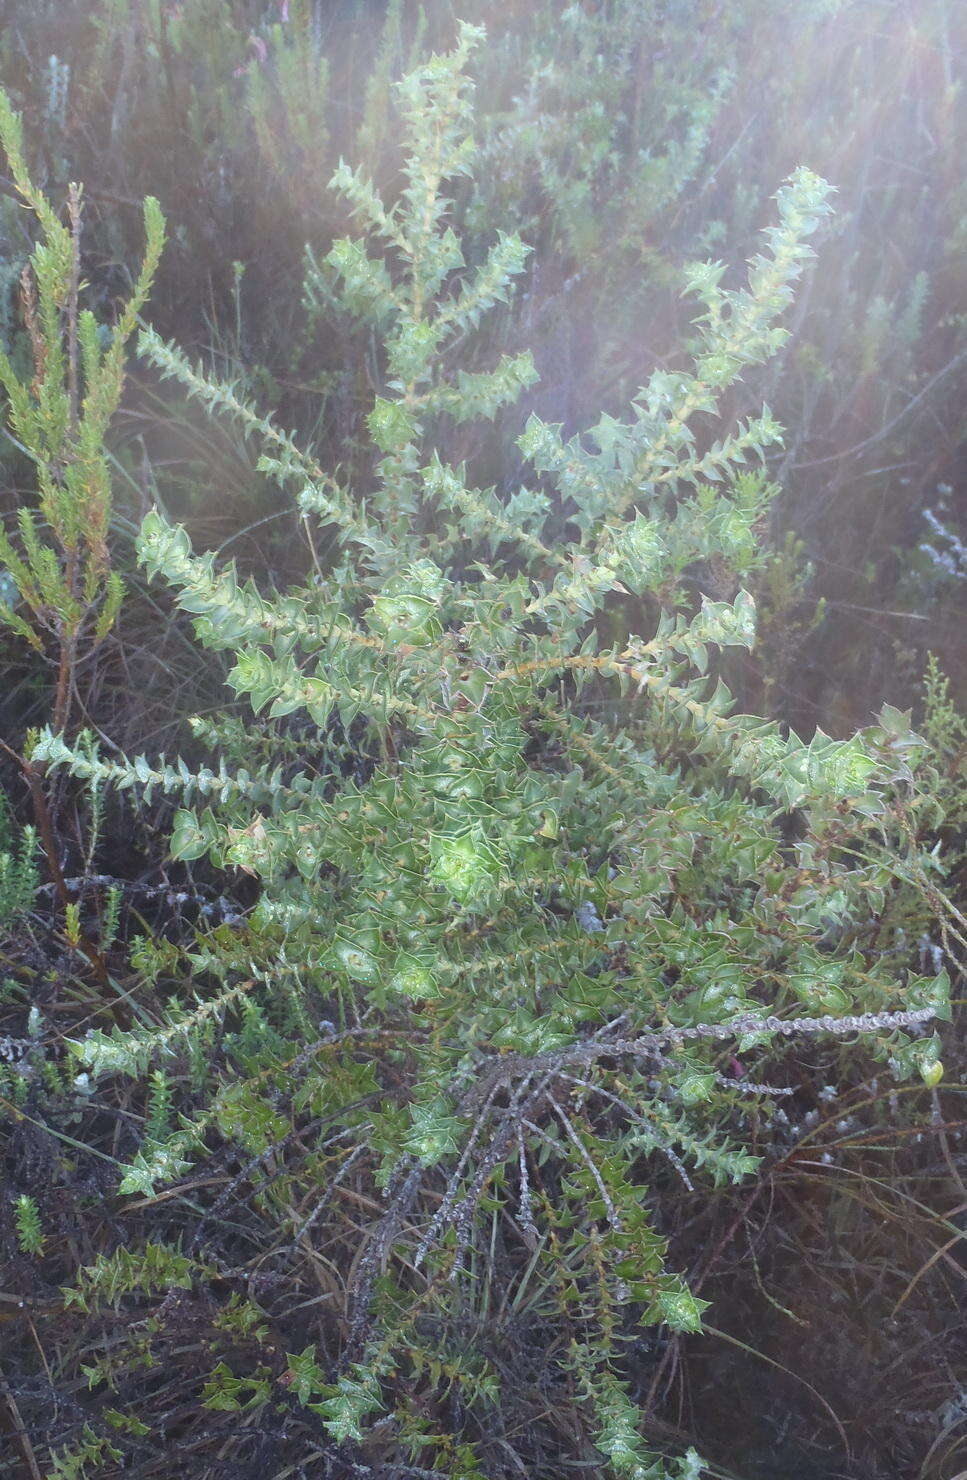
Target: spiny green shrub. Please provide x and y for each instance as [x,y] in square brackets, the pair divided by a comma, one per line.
[504,952]
[618,137]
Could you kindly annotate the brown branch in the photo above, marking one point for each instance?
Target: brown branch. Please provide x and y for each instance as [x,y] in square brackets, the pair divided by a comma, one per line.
[31,1468]
[48,842]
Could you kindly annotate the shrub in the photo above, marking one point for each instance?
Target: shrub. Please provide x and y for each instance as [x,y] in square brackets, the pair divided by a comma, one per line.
[504,953]
[18,872]
[62,592]
[617,138]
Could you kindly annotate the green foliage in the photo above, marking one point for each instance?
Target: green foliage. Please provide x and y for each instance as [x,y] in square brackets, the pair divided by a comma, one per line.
[18,871]
[945,727]
[58,415]
[618,1438]
[530,939]
[126,1272]
[619,139]
[84,1458]
[226,1393]
[30,1233]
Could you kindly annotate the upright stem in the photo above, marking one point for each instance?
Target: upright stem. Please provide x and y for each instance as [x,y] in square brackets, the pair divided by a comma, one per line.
[74,215]
[67,632]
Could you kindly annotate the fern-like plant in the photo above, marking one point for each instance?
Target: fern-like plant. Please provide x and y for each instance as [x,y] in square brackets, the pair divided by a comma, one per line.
[504,951]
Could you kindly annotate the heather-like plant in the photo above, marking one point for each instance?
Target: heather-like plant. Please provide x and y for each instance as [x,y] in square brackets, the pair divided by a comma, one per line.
[505,953]
[18,869]
[65,595]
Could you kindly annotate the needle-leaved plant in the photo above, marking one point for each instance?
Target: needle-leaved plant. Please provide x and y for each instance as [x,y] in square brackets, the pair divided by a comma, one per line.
[534,907]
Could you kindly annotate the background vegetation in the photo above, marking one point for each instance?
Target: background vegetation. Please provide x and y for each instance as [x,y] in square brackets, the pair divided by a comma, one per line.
[621,142]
